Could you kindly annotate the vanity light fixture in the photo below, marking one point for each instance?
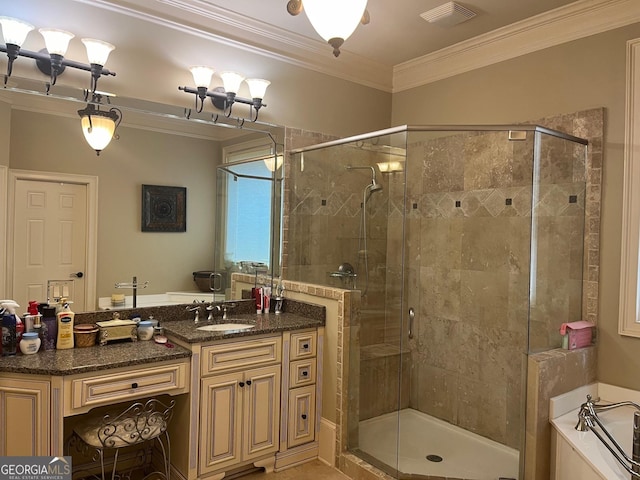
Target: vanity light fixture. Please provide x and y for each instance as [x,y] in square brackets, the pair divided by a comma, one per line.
[333,20]
[99,126]
[224,97]
[51,60]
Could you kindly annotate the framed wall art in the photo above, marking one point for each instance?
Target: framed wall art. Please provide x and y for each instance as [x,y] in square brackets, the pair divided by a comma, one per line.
[164,209]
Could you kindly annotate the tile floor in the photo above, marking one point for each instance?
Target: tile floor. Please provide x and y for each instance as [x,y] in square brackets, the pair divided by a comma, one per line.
[315,470]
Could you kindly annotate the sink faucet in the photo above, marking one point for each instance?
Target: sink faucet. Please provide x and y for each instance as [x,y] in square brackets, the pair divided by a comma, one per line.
[196,320]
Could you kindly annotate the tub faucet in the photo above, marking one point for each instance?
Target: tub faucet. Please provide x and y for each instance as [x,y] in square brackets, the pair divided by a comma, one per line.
[588,420]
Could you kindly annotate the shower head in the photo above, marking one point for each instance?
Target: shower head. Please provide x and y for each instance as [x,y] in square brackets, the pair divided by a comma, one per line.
[374,186]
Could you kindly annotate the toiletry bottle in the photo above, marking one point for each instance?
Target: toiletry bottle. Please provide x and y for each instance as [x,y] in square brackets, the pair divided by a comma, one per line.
[259,298]
[9,333]
[49,325]
[30,316]
[65,327]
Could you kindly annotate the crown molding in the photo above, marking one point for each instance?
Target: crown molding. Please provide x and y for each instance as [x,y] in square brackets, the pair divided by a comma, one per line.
[577,20]
[202,19]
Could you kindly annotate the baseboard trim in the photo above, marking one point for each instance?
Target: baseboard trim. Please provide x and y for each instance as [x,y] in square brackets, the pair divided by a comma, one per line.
[327,451]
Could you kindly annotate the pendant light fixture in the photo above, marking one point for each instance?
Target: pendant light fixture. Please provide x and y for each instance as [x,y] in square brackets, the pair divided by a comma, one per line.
[333,20]
[99,126]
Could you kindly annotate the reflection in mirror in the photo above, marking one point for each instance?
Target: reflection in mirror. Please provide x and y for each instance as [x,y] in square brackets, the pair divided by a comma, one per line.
[248,212]
[159,145]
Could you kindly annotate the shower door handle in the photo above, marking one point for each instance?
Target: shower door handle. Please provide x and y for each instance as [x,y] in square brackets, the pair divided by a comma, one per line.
[412,316]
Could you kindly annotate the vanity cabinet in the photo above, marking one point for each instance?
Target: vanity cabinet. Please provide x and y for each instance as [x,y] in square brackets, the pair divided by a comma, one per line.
[240,408]
[24,416]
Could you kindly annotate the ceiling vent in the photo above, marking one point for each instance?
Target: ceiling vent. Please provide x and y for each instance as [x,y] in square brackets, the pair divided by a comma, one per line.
[448,14]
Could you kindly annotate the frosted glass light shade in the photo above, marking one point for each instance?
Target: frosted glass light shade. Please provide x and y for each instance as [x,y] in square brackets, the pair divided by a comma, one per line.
[56,41]
[273,163]
[231,81]
[99,132]
[97,50]
[334,18]
[257,87]
[201,75]
[15,31]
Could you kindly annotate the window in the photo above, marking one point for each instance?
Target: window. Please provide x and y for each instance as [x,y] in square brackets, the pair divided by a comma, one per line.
[629,315]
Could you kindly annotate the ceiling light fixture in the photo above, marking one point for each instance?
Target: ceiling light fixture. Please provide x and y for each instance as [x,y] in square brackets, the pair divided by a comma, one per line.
[223,98]
[99,126]
[333,20]
[51,61]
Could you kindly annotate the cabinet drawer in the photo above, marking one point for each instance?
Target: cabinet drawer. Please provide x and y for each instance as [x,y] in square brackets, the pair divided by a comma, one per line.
[242,354]
[105,389]
[302,372]
[303,345]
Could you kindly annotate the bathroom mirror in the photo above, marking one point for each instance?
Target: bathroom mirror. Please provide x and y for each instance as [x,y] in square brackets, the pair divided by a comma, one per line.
[158,145]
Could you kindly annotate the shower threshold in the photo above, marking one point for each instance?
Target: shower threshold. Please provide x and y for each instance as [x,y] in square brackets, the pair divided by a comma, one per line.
[430,447]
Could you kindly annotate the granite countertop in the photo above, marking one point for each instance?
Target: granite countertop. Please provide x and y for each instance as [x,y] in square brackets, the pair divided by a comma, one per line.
[185,330]
[89,359]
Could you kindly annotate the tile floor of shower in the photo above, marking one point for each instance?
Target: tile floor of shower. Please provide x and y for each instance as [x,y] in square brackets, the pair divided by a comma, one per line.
[455,453]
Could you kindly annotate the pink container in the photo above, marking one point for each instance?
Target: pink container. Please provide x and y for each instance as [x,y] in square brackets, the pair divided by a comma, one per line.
[576,334]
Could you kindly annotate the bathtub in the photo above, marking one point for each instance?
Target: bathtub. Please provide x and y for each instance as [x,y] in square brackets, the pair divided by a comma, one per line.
[464,454]
[581,454]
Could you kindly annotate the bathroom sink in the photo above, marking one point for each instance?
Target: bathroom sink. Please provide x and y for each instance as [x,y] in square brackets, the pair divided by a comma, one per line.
[224,327]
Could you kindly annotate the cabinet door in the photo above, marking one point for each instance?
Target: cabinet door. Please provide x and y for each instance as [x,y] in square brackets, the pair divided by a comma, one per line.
[261,412]
[302,415]
[220,422]
[24,417]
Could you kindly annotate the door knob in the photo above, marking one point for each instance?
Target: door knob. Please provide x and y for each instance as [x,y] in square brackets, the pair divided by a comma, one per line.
[77,275]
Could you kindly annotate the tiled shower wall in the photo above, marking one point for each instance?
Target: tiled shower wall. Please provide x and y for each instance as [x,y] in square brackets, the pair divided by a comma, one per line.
[469,236]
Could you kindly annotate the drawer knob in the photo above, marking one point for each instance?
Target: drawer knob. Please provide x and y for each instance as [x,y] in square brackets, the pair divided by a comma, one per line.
[134,385]
[248,382]
[305,373]
[241,384]
[305,346]
[304,416]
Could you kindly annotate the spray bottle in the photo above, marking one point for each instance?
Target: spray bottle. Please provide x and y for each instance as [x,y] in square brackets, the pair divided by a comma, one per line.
[65,326]
[9,327]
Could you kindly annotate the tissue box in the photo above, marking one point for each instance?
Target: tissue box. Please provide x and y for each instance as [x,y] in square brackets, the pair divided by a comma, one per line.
[576,334]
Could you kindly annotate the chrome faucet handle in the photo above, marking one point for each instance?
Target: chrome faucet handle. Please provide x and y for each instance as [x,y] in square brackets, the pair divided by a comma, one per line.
[227,306]
[211,308]
[197,310]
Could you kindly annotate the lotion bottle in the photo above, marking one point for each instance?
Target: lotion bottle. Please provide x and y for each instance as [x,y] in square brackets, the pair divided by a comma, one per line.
[65,327]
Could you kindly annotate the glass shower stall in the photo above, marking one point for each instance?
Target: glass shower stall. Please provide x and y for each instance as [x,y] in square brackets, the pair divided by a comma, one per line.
[465,244]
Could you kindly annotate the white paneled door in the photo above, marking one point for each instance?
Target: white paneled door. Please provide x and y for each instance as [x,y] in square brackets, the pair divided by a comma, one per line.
[50,242]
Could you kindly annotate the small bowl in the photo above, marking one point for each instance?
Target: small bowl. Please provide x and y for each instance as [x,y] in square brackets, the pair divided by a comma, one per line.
[85,335]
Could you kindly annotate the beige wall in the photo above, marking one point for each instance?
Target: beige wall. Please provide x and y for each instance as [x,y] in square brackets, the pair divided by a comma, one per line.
[586,73]
[5,132]
[55,144]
